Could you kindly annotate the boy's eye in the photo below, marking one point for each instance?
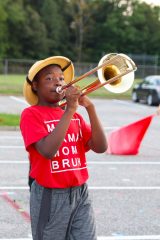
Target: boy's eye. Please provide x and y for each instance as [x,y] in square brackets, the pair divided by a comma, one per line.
[55,79]
[49,78]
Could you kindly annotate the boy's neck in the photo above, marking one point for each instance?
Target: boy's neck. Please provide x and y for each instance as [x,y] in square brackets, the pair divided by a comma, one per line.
[52,105]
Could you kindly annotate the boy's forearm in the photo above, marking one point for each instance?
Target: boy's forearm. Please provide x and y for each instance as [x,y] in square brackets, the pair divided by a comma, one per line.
[49,145]
[98,142]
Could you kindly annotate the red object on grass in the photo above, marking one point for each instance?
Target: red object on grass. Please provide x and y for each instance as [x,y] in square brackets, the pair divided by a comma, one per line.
[127,140]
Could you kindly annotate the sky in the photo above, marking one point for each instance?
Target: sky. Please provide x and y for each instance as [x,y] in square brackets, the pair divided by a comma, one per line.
[155,2]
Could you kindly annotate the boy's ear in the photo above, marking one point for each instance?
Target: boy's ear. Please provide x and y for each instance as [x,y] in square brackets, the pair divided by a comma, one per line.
[34,86]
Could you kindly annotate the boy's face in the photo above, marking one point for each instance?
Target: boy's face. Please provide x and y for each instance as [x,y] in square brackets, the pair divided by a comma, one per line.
[48,79]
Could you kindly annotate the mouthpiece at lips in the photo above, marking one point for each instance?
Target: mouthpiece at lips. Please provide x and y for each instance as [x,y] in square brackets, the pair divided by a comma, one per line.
[59,90]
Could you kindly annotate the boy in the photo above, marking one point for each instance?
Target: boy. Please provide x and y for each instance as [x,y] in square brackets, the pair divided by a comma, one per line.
[56,140]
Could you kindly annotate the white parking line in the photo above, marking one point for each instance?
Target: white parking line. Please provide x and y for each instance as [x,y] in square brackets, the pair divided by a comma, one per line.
[145,237]
[11,146]
[14,188]
[10,137]
[104,188]
[130,103]
[138,237]
[89,162]
[124,188]
[14,162]
[19,100]
[122,163]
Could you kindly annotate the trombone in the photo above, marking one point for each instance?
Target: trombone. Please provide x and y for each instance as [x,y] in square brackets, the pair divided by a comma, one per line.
[115,72]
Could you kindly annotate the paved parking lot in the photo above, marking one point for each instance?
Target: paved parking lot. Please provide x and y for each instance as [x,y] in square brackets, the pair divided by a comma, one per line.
[125,189]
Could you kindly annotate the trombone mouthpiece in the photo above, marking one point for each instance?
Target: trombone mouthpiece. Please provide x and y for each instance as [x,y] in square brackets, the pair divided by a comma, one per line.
[59,90]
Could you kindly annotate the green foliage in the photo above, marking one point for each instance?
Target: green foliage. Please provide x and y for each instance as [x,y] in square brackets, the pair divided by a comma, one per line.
[83,30]
[15,22]
[53,22]
[34,37]
[3,29]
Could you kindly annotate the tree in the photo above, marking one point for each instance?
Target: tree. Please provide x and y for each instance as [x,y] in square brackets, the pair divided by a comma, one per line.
[34,37]
[53,21]
[3,29]
[15,22]
[80,12]
[83,30]
[143,32]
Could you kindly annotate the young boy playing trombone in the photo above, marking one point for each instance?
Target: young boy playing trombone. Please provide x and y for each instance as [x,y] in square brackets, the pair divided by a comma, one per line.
[56,140]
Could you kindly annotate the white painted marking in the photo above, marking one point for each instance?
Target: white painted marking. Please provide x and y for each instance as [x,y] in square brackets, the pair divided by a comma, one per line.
[11,146]
[14,187]
[19,100]
[89,162]
[10,137]
[124,188]
[122,163]
[143,237]
[92,188]
[129,103]
[13,162]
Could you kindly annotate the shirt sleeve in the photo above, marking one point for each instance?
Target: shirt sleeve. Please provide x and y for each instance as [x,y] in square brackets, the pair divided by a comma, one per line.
[32,127]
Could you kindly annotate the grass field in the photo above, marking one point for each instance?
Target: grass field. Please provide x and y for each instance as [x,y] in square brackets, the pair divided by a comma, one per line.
[9,119]
[13,85]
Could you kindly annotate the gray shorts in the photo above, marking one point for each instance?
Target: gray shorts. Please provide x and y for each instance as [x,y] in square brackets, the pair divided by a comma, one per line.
[61,214]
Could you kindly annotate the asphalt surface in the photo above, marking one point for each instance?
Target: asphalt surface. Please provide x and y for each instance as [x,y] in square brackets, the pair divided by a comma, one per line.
[125,188]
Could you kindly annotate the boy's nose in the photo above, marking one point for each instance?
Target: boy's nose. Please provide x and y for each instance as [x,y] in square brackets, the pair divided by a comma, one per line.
[58,81]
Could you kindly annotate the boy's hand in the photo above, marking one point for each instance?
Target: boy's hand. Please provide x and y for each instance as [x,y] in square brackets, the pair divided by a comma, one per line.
[72,94]
[85,101]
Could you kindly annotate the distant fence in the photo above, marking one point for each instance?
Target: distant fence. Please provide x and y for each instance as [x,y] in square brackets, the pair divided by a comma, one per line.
[146,65]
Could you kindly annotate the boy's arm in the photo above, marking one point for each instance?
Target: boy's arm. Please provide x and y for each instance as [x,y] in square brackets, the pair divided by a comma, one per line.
[98,141]
[49,145]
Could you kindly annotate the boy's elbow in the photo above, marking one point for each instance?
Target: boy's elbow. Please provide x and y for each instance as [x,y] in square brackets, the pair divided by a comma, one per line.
[101,148]
[104,148]
[45,151]
[45,154]
[48,154]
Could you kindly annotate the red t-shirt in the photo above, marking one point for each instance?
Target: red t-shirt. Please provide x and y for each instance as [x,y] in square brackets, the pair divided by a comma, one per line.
[68,167]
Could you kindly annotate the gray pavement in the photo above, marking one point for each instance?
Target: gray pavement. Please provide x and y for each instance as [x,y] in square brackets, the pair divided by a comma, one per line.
[12,104]
[125,189]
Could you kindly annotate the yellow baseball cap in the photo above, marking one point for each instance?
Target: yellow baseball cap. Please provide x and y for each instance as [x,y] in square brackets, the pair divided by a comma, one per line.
[63,62]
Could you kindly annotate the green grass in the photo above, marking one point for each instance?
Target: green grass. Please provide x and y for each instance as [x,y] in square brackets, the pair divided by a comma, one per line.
[9,119]
[11,84]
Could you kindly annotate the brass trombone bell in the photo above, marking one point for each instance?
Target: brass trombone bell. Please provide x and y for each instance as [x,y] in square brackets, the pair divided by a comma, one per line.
[122,66]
